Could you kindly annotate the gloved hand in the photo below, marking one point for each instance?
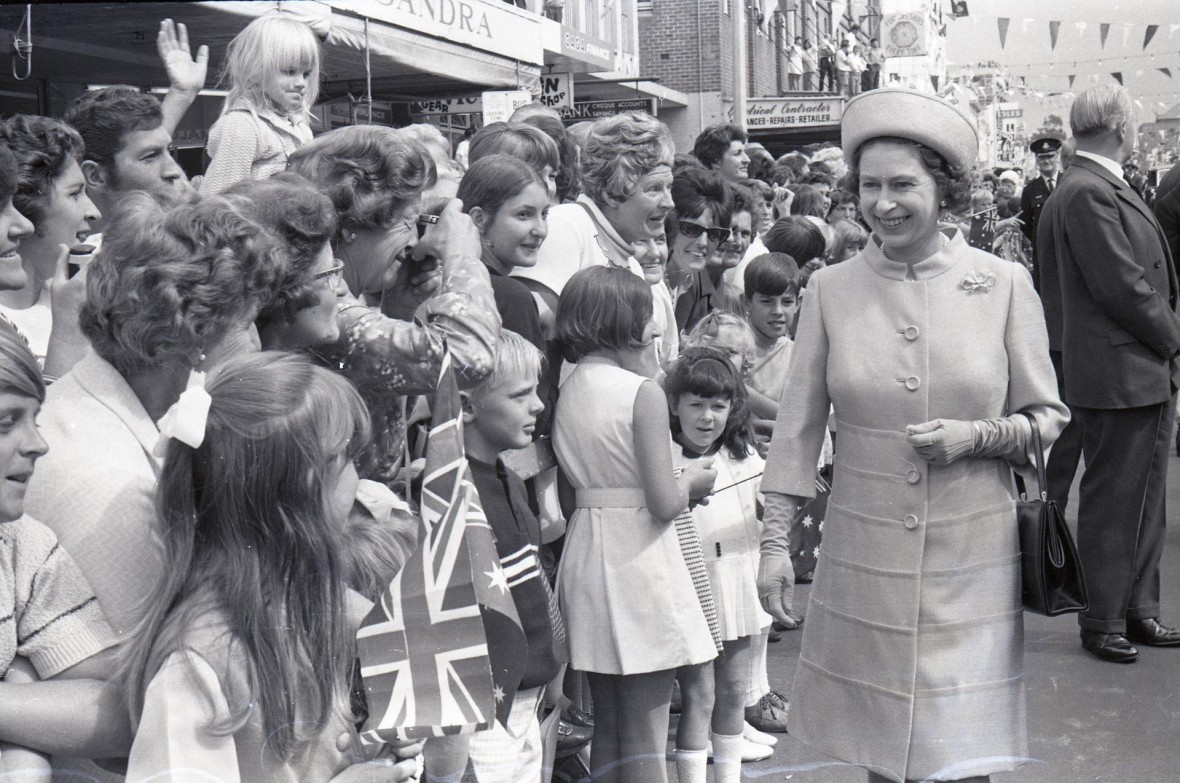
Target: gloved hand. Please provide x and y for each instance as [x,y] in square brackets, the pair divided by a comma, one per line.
[776,575]
[942,441]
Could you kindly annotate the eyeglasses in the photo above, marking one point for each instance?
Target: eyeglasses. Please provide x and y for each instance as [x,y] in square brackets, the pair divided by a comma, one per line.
[692,231]
[331,275]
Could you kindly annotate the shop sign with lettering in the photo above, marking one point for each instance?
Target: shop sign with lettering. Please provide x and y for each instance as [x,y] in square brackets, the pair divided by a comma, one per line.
[592,110]
[768,113]
[471,105]
[557,90]
[587,48]
[487,25]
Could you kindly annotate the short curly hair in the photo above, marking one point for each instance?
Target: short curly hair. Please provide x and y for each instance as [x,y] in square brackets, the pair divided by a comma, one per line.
[953,185]
[43,147]
[713,142]
[9,173]
[620,150]
[169,284]
[302,220]
[370,173]
[103,117]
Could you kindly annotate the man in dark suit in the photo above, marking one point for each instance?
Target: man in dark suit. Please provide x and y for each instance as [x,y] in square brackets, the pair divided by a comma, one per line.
[1167,212]
[1037,189]
[1110,303]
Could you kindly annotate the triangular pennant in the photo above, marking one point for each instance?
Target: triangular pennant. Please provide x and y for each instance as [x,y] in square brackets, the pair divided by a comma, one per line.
[1172,28]
[1147,36]
[1053,28]
[1002,24]
[1081,26]
[1103,31]
[1165,71]
[1118,76]
[1127,31]
[1071,78]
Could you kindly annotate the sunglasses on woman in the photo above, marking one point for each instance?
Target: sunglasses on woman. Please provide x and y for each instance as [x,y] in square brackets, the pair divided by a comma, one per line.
[692,231]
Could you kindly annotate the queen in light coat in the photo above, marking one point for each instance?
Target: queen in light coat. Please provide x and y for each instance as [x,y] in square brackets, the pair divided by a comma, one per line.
[930,351]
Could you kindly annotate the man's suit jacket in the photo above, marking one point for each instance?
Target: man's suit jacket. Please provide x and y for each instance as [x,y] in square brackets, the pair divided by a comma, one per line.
[1167,210]
[1109,290]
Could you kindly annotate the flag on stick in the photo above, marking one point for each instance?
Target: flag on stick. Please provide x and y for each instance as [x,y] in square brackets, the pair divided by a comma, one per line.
[443,651]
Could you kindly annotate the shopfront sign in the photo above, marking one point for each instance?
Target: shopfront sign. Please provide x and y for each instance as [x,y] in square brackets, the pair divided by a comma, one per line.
[587,48]
[487,25]
[770,113]
[592,110]
[557,90]
[471,105]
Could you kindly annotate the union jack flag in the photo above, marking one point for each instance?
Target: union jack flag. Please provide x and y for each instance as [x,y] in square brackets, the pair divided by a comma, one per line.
[443,651]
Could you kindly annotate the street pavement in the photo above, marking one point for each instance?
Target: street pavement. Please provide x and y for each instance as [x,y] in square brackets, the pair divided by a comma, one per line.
[1089,721]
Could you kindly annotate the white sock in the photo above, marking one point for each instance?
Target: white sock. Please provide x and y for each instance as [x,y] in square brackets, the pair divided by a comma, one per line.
[691,765]
[727,757]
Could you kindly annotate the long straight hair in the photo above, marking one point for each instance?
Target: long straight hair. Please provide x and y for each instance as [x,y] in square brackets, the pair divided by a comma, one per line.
[246,533]
[256,55]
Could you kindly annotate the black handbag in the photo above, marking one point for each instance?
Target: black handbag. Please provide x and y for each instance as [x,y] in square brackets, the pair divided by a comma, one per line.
[1051,572]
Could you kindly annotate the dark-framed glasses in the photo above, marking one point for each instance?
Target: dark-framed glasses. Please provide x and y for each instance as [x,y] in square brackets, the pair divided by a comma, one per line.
[332,276]
[716,234]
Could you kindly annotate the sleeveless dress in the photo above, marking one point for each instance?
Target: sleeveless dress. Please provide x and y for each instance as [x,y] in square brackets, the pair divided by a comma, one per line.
[912,657]
[625,591]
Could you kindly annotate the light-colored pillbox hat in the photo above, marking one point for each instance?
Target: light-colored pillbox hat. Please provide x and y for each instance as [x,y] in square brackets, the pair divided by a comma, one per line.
[909,114]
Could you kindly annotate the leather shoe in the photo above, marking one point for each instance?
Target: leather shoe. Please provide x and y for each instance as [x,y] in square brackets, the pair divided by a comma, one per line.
[1109,646]
[1152,633]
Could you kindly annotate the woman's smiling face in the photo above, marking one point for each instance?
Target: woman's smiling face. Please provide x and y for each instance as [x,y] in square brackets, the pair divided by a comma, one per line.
[899,200]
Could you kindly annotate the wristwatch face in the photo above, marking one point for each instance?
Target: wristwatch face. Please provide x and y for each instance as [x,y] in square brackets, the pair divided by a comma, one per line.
[903,34]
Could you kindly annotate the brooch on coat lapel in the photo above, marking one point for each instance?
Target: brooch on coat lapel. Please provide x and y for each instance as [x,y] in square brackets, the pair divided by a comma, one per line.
[978,281]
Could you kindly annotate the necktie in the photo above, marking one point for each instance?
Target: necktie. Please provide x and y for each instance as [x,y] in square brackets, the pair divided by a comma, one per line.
[1049,182]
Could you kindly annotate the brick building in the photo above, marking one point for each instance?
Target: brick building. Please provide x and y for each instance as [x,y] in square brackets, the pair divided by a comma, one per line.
[689,46]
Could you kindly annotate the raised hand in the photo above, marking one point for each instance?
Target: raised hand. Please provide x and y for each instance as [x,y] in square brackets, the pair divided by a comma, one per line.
[185,73]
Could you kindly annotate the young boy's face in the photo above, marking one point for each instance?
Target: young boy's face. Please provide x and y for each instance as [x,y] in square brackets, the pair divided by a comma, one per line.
[770,316]
[504,418]
[21,445]
[651,254]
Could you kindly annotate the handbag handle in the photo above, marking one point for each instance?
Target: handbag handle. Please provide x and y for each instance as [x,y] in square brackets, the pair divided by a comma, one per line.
[1039,454]
[1054,546]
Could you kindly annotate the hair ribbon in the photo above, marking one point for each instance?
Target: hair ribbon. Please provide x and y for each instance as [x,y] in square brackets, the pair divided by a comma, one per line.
[185,420]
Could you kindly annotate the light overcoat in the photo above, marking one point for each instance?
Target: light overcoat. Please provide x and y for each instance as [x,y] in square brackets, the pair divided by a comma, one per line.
[912,656]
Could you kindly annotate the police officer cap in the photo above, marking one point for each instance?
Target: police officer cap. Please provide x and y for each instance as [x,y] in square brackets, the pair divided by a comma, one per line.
[910,114]
[1045,145]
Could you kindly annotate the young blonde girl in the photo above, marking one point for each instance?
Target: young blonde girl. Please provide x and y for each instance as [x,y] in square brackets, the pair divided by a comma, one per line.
[273,69]
[240,670]
[632,613]
[710,418]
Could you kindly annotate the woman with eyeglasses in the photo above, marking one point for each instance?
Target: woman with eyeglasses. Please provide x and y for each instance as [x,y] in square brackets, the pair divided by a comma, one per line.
[410,298]
[704,204]
[302,312]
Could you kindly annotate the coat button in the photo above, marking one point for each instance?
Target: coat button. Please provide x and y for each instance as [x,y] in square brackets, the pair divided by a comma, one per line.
[1157,264]
[912,383]
[911,333]
[913,477]
[911,522]
[343,742]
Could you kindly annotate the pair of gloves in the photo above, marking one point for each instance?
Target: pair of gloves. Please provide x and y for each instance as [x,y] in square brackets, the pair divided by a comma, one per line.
[940,442]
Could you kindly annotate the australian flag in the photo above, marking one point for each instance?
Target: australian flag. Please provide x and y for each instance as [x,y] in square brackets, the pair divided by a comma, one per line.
[442,652]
